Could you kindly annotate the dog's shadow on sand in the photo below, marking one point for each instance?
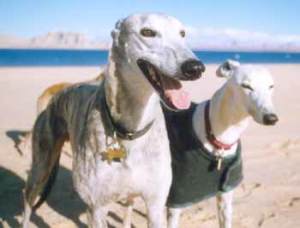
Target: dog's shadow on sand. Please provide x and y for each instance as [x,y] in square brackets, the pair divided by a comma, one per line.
[18,136]
[63,198]
[11,199]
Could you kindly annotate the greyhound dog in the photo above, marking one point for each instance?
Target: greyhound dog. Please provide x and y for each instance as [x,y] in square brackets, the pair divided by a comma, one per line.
[46,96]
[215,127]
[116,129]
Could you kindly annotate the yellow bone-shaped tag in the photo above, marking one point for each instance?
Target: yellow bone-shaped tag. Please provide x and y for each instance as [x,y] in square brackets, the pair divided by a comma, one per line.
[114,152]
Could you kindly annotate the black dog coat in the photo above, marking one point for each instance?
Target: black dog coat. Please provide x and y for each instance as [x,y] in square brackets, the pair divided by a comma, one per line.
[195,174]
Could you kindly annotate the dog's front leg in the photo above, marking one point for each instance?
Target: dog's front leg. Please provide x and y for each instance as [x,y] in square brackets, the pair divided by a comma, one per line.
[156,212]
[224,205]
[128,215]
[173,217]
[96,217]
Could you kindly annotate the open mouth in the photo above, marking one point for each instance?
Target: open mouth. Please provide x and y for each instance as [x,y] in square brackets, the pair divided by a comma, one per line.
[169,89]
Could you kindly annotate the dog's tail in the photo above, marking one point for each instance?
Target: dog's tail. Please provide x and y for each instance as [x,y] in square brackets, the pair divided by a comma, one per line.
[48,187]
[48,137]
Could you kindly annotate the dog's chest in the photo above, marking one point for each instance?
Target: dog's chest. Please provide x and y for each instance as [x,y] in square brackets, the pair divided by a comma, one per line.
[146,166]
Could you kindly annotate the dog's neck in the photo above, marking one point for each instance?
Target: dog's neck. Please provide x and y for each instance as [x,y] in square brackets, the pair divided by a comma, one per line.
[132,103]
[227,116]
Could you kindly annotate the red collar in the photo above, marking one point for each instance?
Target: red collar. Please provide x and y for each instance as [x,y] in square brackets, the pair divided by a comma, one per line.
[209,134]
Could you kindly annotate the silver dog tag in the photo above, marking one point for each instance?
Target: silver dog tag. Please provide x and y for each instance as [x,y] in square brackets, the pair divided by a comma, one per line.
[219,165]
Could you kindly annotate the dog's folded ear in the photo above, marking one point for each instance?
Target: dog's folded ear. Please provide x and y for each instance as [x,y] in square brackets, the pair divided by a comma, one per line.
[116,32]
[227,68]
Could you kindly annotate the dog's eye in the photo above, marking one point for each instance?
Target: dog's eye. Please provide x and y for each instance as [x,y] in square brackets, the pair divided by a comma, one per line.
[182,33]
[271,87]
[246,86]
[148,32]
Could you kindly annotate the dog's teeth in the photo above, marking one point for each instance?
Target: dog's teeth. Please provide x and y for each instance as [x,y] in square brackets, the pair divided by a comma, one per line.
[151,71]
[154,78]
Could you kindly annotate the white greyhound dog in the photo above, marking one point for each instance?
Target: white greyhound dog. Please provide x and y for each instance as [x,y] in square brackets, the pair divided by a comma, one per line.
[116,128]
[216,127]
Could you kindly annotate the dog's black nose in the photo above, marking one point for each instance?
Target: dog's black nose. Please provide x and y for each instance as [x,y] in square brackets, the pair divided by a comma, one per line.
[192,69]
[270,119]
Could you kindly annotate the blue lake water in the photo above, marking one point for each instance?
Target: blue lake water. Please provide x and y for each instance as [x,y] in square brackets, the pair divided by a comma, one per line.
[44,57]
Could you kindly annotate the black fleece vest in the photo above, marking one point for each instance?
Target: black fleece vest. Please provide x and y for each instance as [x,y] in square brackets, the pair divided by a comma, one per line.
[195,174]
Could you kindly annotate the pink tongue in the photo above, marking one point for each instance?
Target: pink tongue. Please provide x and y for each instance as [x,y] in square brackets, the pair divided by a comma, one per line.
[179,98]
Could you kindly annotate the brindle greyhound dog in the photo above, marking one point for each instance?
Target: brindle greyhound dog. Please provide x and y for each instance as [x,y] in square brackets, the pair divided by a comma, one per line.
[117,129]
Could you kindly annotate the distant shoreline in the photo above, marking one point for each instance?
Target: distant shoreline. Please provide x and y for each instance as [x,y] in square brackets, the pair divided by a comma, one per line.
[195,49]
[94,57]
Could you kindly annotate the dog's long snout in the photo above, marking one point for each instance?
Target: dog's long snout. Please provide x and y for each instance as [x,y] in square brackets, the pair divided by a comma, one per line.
[270,119]
[192,69]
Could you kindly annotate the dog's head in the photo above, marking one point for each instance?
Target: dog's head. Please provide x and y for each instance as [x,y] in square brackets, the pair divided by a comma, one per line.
[253,87]
[152,48]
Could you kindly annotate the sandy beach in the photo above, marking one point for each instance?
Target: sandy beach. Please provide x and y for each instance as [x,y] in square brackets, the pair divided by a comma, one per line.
[269,196]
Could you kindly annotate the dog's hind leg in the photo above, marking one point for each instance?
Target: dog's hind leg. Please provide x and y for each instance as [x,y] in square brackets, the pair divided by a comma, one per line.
[224,206]
[27,214]
[46,148]
[173,217]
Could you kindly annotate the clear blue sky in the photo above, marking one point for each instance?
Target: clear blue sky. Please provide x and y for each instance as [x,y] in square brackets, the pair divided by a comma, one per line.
[96,18]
